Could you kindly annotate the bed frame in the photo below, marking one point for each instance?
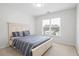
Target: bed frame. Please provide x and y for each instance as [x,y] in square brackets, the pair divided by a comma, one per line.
[37,51]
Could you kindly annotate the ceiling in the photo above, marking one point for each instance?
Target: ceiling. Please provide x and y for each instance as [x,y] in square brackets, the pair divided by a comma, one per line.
[32,10]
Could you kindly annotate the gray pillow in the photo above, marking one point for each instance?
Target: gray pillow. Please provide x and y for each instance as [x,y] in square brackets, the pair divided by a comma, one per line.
[26,33]
[21,34]
[15,34]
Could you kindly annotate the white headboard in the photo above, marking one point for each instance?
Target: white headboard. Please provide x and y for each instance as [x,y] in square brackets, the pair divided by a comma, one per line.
[13,27]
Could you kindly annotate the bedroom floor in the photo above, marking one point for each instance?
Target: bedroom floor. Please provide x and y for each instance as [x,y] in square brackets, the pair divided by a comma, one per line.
[55,50]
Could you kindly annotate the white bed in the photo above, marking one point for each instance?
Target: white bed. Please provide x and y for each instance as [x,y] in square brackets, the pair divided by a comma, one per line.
[37,51]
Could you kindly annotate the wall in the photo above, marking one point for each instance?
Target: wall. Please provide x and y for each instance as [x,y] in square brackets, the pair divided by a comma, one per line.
[77,29]
[68,21]
[13,15]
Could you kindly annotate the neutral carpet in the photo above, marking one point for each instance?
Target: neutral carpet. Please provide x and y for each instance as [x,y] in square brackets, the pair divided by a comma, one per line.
[55,50]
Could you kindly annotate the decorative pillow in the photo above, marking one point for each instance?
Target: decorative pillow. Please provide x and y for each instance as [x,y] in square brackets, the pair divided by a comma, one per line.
[15,34]
[26,33]
[21,34]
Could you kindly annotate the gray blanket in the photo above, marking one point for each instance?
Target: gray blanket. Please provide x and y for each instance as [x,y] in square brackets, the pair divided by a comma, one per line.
[27,43]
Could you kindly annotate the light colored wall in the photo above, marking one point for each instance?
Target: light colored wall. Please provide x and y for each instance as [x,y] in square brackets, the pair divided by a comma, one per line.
[68,21]
[77,28]
[8,14]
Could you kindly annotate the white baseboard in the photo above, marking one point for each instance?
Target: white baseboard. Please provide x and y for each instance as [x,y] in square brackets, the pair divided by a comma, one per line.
[62,41]
[65,43]
[4,46]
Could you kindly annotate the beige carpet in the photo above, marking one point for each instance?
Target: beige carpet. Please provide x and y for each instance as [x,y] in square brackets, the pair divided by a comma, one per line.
[55,50]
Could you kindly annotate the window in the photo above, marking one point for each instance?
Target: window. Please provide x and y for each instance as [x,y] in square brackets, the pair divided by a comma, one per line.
[51,26]
[46,26]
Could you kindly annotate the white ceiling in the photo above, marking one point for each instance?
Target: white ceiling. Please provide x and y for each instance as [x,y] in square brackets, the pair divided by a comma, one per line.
[30,9]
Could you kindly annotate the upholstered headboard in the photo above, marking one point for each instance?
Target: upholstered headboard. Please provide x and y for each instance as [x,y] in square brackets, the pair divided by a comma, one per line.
[14,27]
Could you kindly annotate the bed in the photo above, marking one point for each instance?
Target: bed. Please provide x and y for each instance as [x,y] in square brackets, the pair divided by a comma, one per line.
[37,49]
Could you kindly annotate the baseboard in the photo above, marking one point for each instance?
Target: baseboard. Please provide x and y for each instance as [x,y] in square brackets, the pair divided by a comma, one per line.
[64,43]
[76,48]
[3,47]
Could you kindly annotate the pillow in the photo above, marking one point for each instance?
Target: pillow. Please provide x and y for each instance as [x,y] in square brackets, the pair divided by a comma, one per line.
[26,33]
[15,34]
[21,34]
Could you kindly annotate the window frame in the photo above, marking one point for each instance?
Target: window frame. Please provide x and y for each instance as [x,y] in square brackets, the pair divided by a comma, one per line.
[50,23]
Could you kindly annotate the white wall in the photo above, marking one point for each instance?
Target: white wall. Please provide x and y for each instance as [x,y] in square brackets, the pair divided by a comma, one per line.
[77,28]
[13,15]
[68,21]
